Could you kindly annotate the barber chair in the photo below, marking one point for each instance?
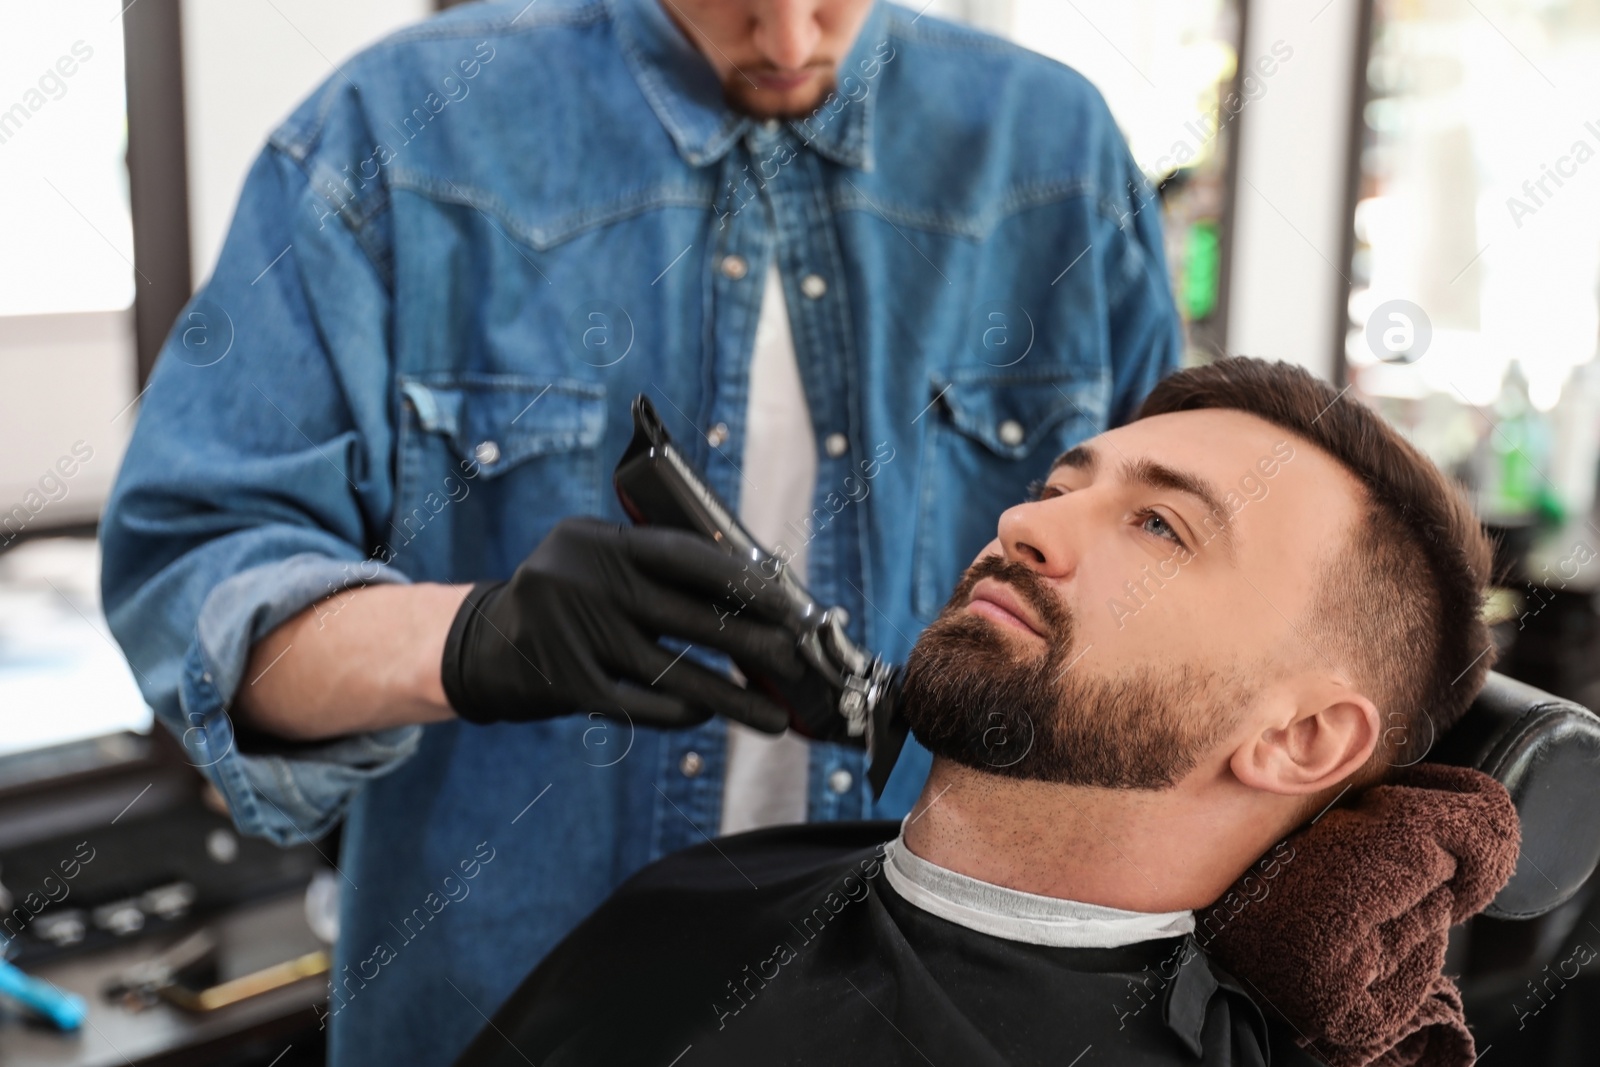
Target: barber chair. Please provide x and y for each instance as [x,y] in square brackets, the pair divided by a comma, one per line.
[1546,752]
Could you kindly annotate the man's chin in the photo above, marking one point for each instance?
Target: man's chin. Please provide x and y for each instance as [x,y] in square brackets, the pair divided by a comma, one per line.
[767,103]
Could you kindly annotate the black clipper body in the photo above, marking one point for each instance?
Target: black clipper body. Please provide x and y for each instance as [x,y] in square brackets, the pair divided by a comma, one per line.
[849,695]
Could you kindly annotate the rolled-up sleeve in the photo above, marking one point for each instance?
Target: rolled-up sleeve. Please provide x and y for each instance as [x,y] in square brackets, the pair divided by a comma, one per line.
[282,798]
[258,478]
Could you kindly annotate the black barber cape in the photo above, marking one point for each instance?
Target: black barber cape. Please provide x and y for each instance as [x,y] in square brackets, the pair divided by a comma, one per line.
[788,946]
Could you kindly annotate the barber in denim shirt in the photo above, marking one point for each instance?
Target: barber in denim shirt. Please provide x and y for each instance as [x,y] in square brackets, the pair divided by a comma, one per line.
[392,380]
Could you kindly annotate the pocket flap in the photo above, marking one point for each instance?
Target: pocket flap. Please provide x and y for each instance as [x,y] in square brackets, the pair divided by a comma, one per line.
[499,420]
[1011,415]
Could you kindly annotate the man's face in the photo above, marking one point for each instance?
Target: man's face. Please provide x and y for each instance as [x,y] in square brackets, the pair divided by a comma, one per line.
[1137,640]
[776,58]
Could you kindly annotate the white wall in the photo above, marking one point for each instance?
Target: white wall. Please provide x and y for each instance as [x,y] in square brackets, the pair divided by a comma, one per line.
[246,64]
[1289,221]
[996,16]
[68,378]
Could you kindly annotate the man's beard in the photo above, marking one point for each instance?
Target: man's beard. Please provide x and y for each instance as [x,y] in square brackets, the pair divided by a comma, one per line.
[743,96]
[974,696]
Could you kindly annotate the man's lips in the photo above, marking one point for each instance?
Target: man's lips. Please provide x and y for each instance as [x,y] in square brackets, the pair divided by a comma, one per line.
[781,82]
[995,599]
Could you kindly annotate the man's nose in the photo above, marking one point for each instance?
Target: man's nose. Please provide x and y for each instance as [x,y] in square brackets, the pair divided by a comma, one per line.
[787,33]
[1037,534]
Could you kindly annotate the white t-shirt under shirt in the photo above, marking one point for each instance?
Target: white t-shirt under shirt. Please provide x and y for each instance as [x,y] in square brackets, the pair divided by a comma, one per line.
[766,775]
[1017,916]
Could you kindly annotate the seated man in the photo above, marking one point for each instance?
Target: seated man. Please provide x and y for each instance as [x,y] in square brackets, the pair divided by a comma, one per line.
[1198,633]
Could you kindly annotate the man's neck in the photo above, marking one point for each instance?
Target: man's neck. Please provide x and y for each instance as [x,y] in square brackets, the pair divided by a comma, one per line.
[1133,849]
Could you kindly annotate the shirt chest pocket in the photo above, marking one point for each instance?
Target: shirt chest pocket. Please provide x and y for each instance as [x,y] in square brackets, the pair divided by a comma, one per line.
[990,436]
[488,464]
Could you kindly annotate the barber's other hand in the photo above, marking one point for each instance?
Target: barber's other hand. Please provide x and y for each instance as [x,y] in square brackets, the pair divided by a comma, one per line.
[575,628]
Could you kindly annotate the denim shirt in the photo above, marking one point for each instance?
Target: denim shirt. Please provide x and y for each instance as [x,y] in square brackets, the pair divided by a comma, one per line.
[451,270]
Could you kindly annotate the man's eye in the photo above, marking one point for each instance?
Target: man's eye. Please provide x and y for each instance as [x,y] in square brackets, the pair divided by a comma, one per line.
[1165,529]
[1039,489]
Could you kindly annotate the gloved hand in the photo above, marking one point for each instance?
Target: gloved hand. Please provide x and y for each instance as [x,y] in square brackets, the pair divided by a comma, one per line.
[575,628]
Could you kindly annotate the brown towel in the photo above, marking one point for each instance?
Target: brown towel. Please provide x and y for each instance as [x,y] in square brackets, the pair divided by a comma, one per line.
[1342,928]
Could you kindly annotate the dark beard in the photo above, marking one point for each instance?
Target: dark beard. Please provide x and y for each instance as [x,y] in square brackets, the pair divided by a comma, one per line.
[973,695]
[738,94]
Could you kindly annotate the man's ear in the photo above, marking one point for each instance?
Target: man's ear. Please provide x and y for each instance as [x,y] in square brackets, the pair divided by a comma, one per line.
[1326,740]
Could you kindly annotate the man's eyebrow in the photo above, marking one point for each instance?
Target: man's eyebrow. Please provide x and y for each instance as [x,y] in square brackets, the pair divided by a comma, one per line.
[1078,457]
[1155,475]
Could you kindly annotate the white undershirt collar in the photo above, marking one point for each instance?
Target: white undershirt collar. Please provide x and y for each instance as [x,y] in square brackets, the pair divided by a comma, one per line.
[1017,916]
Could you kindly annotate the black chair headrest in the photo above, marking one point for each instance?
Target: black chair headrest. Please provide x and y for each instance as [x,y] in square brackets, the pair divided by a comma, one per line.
[1546,752]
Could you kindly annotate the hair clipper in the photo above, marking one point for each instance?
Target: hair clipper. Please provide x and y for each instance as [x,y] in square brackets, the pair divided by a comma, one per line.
[849,695]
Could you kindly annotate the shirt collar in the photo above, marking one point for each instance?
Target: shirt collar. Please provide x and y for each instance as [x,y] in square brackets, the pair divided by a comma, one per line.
[686,96]
[1018,916]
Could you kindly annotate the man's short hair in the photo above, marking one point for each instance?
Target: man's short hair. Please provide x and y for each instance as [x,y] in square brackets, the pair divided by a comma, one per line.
[1401,605]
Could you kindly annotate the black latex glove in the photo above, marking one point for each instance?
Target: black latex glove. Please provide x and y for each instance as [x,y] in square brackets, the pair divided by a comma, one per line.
[575,628]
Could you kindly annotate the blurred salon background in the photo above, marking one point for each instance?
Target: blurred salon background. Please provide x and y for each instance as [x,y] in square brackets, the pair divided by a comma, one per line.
[1399,194]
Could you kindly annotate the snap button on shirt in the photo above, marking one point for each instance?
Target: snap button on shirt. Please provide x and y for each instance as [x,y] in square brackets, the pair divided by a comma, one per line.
[486,453]
[734,267]
[814,286]
[841,780]
[1011,432]
[837,444]
[691,764]
[718,434]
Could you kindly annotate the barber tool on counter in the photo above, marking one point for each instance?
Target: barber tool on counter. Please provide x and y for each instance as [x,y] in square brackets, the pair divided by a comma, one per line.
[187,974]
[849,696]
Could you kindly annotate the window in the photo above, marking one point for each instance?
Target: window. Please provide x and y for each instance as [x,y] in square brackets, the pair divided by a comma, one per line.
[68,233]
